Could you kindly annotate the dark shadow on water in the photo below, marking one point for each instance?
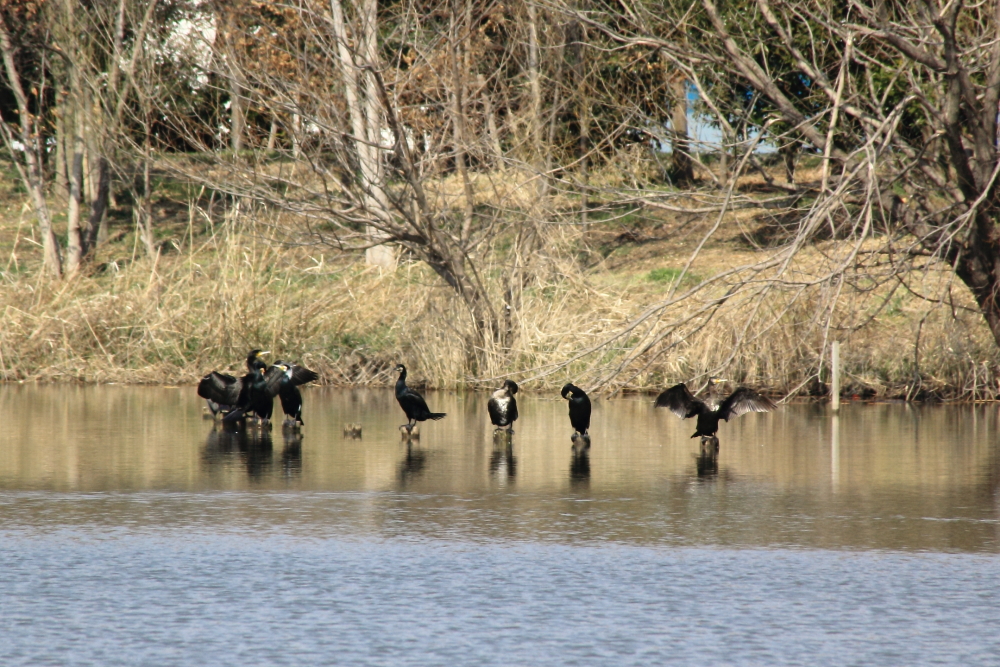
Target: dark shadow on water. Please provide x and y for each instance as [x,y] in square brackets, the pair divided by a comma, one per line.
[707,465]
[412,465]
[503,463]
[252,447]
[579,468]
[291,456]
[579,464]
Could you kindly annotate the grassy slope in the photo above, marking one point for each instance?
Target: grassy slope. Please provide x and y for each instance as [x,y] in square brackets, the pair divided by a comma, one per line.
[218,289]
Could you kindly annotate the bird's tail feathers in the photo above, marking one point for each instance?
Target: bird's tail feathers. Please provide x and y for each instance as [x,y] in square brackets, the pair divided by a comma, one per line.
[235,415]
[437,415]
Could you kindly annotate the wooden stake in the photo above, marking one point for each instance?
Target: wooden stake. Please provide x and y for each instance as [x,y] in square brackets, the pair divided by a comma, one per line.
[835,371]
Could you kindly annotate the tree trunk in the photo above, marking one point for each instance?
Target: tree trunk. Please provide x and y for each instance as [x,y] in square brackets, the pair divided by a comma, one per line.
[458,86]
[576,36]
[272,135]
[74,236]
[61,190]
[378,255]
[983,280]
[789,151]
[32,174]
[296,135]
[145,214]
[237,115]
[491,125]
[681,168]
[535,86]
[365,110]
[97,226]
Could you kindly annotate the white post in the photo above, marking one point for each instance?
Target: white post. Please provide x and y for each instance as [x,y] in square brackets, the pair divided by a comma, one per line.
[835,371]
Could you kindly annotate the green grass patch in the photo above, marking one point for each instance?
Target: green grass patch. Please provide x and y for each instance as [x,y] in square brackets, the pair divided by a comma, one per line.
[670,275]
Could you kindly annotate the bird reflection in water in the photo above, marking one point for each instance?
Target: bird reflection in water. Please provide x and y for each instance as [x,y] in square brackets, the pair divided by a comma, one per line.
[412,465]
[251,447]
[291,456]
[579,464]
[707,463]
[503,463]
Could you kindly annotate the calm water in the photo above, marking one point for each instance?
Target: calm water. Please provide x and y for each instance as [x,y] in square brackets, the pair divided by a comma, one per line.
[133,531]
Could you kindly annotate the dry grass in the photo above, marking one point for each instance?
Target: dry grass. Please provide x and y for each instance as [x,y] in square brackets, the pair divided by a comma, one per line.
[227,288]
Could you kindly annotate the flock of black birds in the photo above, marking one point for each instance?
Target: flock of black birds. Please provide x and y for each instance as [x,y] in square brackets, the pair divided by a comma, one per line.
[251,397]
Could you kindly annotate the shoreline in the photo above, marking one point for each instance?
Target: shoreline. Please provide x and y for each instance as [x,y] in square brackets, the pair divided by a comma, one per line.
[799,399]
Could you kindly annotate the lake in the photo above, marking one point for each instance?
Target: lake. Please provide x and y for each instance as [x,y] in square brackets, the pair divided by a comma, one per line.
[134,531]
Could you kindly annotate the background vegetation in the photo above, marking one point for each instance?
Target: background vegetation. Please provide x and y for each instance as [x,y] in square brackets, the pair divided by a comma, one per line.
[489,189]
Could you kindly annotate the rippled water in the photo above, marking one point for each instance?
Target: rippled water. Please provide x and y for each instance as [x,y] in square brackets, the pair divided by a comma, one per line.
[133,531]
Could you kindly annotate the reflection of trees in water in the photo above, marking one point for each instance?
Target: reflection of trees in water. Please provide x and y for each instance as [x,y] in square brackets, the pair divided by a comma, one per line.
[503,463]
[253,448]
[291,456]
[412,465]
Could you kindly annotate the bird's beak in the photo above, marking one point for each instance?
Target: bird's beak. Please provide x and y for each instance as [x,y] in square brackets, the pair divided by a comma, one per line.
[261,354]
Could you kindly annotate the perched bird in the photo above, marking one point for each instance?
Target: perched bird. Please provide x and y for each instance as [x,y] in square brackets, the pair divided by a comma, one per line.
[682,403]
[260,394]
[503,406]
[225,393]
[254,392]
[579,411]
[413,404]
[280,379]
[286,380]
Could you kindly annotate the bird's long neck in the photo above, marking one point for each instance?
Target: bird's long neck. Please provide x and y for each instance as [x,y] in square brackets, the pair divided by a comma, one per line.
[401,381]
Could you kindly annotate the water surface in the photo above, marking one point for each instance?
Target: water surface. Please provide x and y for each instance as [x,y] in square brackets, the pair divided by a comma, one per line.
[134,531]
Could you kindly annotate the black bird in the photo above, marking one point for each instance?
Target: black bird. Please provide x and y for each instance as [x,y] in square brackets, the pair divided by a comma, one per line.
[281,379]
[225,393]
[503,406]
[413,404]
[682,403]
[263,387]
[579,411]
[288,380]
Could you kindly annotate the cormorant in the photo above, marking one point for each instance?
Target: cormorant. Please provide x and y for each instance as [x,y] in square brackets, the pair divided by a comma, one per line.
[255,391]
[579,411]
[225,393]
[503,406]
[263,387]
[682,403]
[281,379]
[288,378]
[413,404]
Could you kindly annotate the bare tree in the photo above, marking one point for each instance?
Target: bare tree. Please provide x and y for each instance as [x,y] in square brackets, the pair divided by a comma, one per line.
[899,100]
[27,138]
[79,68]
